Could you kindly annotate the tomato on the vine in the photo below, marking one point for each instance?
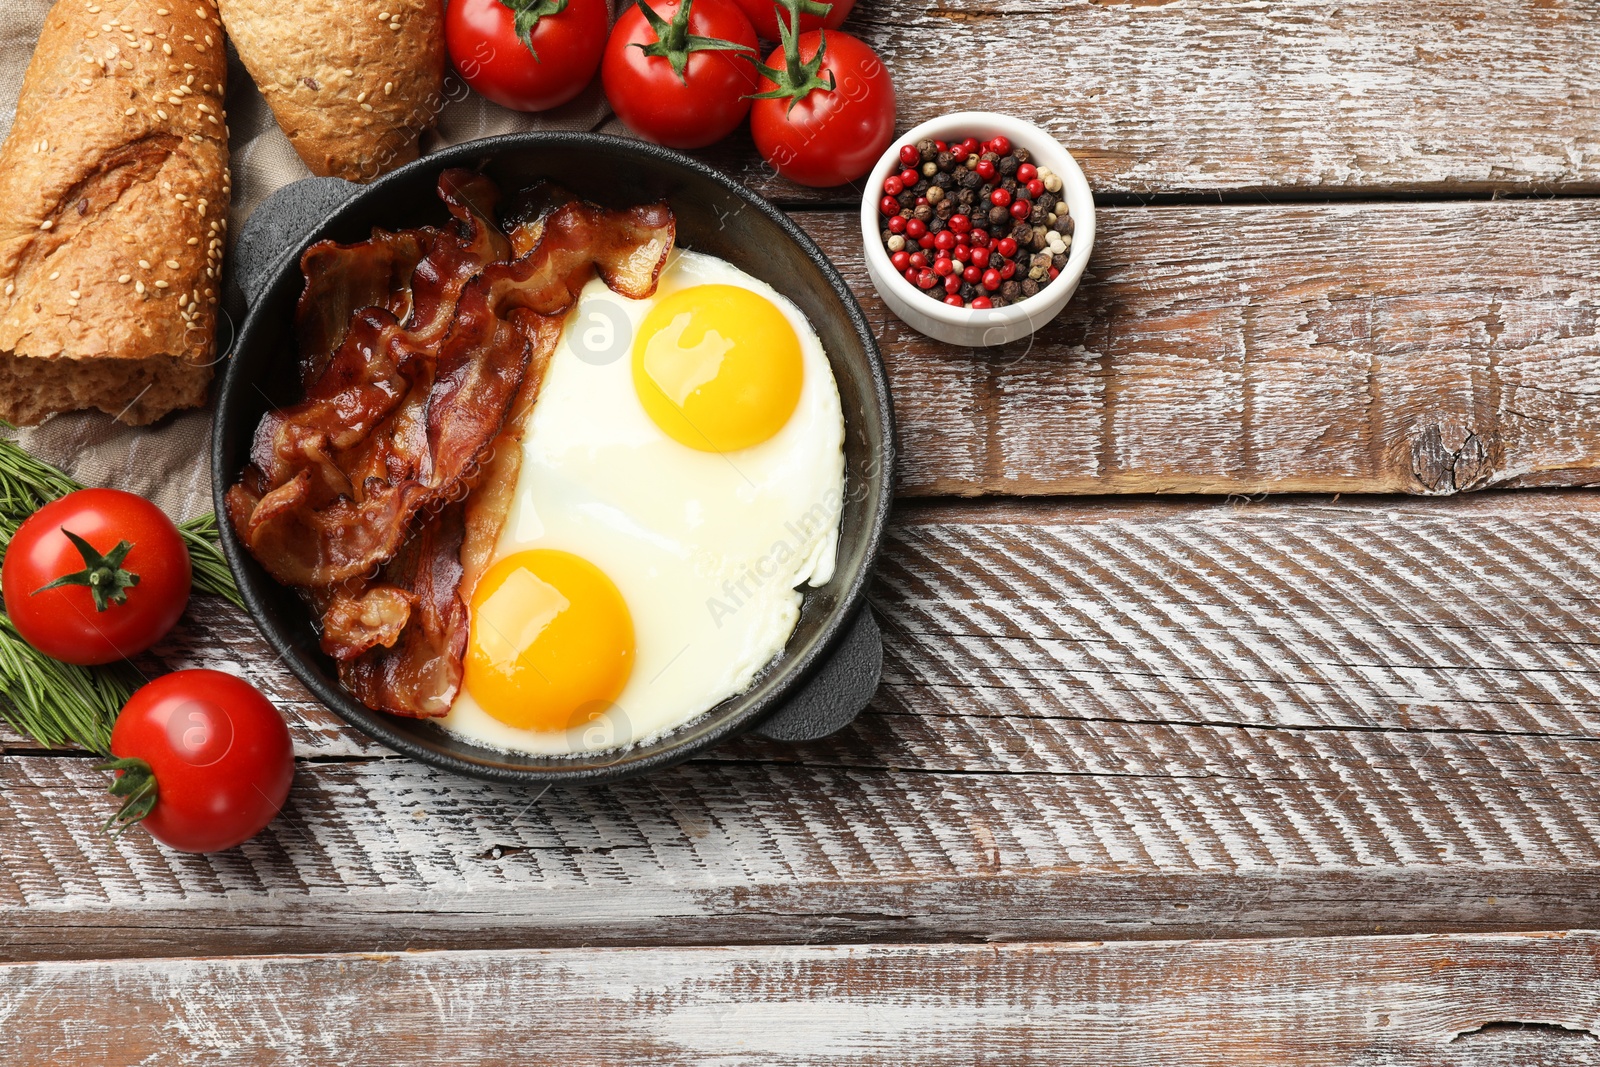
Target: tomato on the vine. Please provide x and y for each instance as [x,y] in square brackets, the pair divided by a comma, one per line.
[203,760]
[673,73]
[814,15]
[530,55]
[825,112]
[96,576]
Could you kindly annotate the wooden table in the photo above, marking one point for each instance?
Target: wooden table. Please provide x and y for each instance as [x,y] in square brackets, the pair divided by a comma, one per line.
[1297,763]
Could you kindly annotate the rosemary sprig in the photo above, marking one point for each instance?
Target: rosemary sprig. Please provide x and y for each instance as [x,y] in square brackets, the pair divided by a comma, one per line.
[58,703]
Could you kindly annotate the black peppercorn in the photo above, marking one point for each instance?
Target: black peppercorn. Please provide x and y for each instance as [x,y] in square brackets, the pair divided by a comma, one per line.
[1047,199]
[943,180]
[921,188]
[965,197]
[1029,288]
[923,212]
[998,215]
[945,208]
[970,291]
[1011,290]
[935,224]
[1009,185]
[945,160]
[1059,262]
[968,179]
[907,199]
[927,149]
[1021,233]
[998,301]
[1063,224]
[1038,215]
[1022,154]
[1008,165]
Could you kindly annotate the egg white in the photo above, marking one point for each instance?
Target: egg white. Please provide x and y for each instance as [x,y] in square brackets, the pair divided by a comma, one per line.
[709,550]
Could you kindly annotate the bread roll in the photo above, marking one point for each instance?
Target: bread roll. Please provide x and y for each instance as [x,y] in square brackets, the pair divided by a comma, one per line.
[113,205]
[354,83]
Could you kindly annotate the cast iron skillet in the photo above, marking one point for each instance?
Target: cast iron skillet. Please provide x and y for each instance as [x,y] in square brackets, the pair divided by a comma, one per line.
[831,662]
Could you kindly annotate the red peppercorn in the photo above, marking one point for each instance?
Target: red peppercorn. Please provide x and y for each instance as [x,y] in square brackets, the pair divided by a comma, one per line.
[952,284]
[985,170]
[1054,274]
[941,146]
[889,206]
[979,238]
[1006,247]
[943,267]
[921,200]
[955,301]
[980,257]
[971,274]
[1026,173]
[969,146]
[926,279]
[909,155]
[1000,146]
[981,302]
[926,240]
[959,223]
[1035,189]
[999,198]
[916,227]
[1007,269]
[910,275]
[893,186]
[992,280]
[1020,209]
[944,239]
[901,261]
[919,260]
[908,177]
[897,224]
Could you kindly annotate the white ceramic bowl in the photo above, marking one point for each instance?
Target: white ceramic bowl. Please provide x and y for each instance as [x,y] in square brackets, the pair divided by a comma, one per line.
[977,327]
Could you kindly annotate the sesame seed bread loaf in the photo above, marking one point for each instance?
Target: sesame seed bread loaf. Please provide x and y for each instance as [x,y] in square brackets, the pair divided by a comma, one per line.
[113,205]
[354,83]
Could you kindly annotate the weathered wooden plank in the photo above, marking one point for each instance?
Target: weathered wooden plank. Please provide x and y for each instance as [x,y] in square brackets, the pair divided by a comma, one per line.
[1112,719]
[1530,999]
[1307,97]
[1401,347]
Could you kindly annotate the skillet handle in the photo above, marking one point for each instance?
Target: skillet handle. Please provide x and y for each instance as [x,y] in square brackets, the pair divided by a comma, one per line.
[279,227]
[838,692]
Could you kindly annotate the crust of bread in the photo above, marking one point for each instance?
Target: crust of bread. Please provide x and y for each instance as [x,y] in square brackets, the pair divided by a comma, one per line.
[354,83]
[113,212]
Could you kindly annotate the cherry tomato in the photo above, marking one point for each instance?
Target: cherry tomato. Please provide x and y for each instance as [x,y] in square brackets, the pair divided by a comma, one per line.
[534,72]
[829,136]
[673,74]
[96,576]
[764,16]
[203,758]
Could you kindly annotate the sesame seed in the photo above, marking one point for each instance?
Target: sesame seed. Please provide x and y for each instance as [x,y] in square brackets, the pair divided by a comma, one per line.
[125,28]
[366,107]
[124,279]
[144,264]
[138,287]
[200,12]
[162,11]
[395,24]
[167,48]
[361,98]
[161,285]
[74,294]
[160,114]
[194,240]
[126,65]
[172,264]
[72,303]
[131,111]
[55,275]
[10,288]
[92,34]
[348,73]
[46,224]
[209,40]
[388,87]
[106,26]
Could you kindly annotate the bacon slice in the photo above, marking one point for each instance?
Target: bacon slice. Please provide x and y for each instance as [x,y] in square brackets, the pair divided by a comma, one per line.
[382,493]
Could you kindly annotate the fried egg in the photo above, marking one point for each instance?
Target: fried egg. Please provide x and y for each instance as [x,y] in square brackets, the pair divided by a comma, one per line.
[682,480]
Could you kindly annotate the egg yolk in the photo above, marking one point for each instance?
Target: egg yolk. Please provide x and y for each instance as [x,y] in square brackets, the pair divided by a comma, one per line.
[551,642]
[717,367]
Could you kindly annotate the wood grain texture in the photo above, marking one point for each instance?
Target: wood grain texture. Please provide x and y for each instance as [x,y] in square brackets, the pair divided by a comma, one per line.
[1530,1000]
[1402,347]
[1295,97]
[1168,719]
